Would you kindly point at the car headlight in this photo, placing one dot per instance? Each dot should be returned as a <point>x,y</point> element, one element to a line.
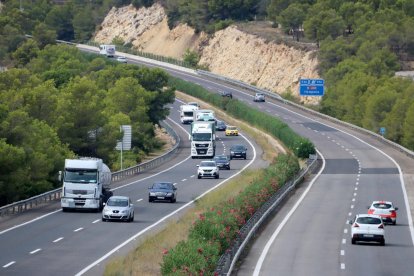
<point>152,194</point>
<point>124,211</point>
<point>169,194</point>
<point>232,152</point>
<point>243,152</point>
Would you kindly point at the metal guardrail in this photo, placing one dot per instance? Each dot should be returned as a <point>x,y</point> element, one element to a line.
<point>27,204</point>
<point>277,97</point>
<point>247,232</point>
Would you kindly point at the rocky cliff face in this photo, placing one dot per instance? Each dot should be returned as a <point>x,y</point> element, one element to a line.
<point>229,52</point>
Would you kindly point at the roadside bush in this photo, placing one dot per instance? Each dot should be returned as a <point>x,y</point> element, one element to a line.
<point>215,229</point>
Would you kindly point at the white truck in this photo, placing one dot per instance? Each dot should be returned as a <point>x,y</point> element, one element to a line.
<point>204,115</point>
<point>187,113</point>
<point>203,139</point>
<point>108,50</point>
<point>86,184</point>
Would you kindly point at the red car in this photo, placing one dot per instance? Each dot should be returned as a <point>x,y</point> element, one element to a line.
<point>384,209</point>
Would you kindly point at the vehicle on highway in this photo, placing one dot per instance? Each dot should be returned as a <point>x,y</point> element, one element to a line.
<point>367,228</point>
<point>220,125</point>
<point>232,131</point>
<point>238,151</point>
<point>227,94</point>
<point>121,59</point>
<point>259,97</point>
<point>118,208</point>
<point>208,169</point>
<point>194,103</point>
<point>222,161</point>
<point>162,191</point>
<point>385,209</point>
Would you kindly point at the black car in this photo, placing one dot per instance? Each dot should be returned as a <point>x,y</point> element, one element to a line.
<point>162,191</point>
<point>238,151</point>
<point>227,94</point>
<point>222,161</point>
<point>220,125</point>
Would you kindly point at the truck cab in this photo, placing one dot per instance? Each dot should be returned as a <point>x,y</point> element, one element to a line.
<point>203,139</point>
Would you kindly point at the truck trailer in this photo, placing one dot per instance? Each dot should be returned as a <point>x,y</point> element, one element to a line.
<point>108,50</point>
<point>187,113</point>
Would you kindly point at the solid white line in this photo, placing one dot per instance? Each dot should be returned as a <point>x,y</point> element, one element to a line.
<point>342,266</point>
<point>139,200</point>
<point>35,251</point>
<point>58,239</point>
<point>77,230</point>
<point>285,220</point>
<point>96,221</point>
<point>9,264</point>
<point>170,214</point>
<point>342,252</point>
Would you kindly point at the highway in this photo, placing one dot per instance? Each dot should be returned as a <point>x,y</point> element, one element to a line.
<point>79,242</point>
<point>313,238</point>
<point>309,236</point>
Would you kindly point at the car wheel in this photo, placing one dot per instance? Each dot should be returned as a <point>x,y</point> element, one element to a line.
<point>353,241</point>
<point>245,158</point>
<point>382,243</point>
<point>150,200</point>
<point>103,219</point>
<point>64,209</point>
<point>217,176</point>
<point>132,218</point>
<point>394,223</point>
<point>199,177</point>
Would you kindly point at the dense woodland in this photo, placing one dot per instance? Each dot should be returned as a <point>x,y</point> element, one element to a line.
<point>57,102</point>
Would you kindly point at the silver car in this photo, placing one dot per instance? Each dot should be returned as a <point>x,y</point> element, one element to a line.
<point>118,208</point>
<point>259,97</point>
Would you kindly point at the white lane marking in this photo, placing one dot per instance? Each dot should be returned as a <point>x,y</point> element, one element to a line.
<point>79,229</point>
<point>139,200</point>
<point>185,179</point>
<point>342,252</point>
<point>96,221</point>
<point>343,241</point>
<point>349,214</point>
<point>345,231</point>
<point>174,212</point>
<point>58,239</point>
<point>355,194</point>
<point>35,251</point>
<point>9,264</point>
<point>352,206</point>
<point>353,199</point>
<point>193,175</point>
<point>342,266</point>
<point>357,183</point>
<point>356,188</point>
<point>285,220</point>
<point>175,183</point>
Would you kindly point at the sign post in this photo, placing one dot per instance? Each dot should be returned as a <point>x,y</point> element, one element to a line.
<point>125,143</point>
<point>312,87</point>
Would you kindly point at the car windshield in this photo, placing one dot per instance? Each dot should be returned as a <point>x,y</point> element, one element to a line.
<point>119,202</point>
<point>207,164</point>
<point>238,148</point>
<point>218,158</point>
<point>231,128</point>
<point>368,220</point>
<point>162,186</point>
<point>259,95</point>
<point>382,205</point>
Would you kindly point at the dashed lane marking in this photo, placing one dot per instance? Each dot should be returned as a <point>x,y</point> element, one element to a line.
<point>35,251</point>
<point>77,230</point>
<point>9,264</point>
<point>58,239</point>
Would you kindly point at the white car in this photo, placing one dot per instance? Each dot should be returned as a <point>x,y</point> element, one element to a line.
<point>385,209</point>
<point>194,104</point>
<point>121,59</point>
<point>208,169</point>
<point>259,97</point>
<point>367,228</point>
<point>118,208</point>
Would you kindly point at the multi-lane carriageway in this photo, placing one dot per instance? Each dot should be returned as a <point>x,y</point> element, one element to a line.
<point>310,236</point>
<point>79,242</point>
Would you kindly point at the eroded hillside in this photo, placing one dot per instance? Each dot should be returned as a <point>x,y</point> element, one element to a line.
<point>230,52</point>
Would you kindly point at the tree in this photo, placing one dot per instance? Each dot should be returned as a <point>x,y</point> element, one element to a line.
<point>191,57</point>
<point>83,24</point>
<point>292,18</point>
<point>323,24</point>
<point>43,35</point>
<point>408,138</point>
<point>60,19</point>
<point>26,52</point>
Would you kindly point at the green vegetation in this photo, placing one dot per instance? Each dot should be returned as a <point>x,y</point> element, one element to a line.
<point>218,225</point>
<point>302,147</point>
<point>61,103</point>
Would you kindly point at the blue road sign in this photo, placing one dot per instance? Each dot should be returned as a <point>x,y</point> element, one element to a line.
<point>312,87</point>
<point>382,131</point>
